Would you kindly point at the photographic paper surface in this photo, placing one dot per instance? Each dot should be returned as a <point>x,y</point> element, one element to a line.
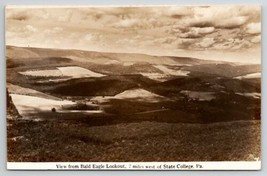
<point>133,87</point>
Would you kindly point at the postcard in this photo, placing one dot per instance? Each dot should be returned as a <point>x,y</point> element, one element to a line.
<point>133,87</point>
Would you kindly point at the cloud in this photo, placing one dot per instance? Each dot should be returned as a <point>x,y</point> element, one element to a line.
<point>31,28</point>
<point>127,23</point>
<point>256,39</point>
<point>232,22</point>
<point>232,44</point>
<point>253,28</point>
<point>172,42</point>
<point>204,30</point>
<point>244,44</point>
<point>66,17</point>
<point>175,11</point>
<point>93,37</point>
<point>206,42</point>
<point>220,17</point>
<point>57,29</point>
<point>18,14</point>
<point>184,27</point>
<point>54,30</point>
<point>251,11</point>
<point>183,43</point>
<point>192,32</point>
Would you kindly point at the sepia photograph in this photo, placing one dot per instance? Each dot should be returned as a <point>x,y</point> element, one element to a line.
<point>133,84</point>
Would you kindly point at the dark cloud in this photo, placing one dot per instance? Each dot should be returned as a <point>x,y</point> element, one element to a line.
<point>20,16</point>
<point>201,23</point>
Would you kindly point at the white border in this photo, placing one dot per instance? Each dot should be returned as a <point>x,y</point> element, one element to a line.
<point>222,165</point>
<point>3,150</point>
<point>137,5</point>
<point>232,165</point>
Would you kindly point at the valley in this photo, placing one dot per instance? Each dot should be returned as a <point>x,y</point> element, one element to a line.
<point>116,106</point>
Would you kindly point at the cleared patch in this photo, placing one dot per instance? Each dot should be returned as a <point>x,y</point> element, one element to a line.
<point>166,75</point>
<point>173,72</point>
<point>43,73</point>
<point>27,105</point>
<point>140,95</point>
<point>15,89</point>
<point>78,72</point>
<point>201,96</point>
<point>111,62</point>
<point>156,76</point>
<point>253,94</point>
<point>128,63</point>
<point>248,76</point>
<point>54,80</point>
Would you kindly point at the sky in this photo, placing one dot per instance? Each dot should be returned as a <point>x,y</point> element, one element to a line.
<point>225,32</point>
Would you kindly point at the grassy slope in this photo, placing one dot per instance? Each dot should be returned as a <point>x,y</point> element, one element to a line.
<point>144,141</point>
